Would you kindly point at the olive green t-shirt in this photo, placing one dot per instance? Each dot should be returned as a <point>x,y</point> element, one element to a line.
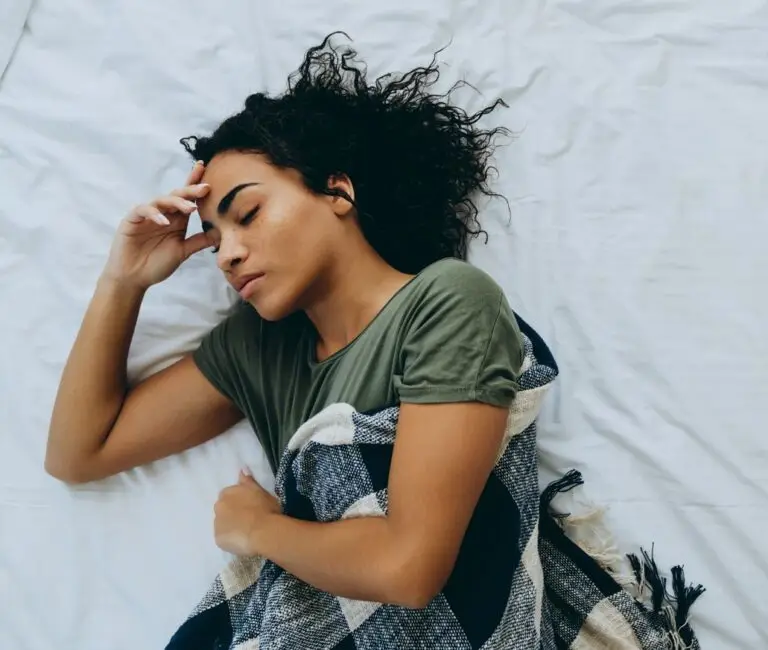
<point>448,335</point>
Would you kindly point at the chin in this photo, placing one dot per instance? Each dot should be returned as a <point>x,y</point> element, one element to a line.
<point>270,310</point>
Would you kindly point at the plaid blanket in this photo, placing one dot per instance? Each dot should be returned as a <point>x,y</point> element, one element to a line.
<point>519,582</point>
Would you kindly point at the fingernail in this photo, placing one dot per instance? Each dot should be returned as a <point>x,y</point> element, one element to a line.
<point>164,220</point>
<point>199,162</point>
<point>246,472</point>
<point>191,204</point>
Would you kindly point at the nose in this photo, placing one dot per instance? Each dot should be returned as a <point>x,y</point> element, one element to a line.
<point>231,253</point>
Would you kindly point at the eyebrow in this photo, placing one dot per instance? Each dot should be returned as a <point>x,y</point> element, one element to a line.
<point>229,197</point>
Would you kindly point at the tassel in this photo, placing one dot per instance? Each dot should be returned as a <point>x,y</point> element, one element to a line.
<point>648,577</point>
<point>637,569</point>
<point>685,596</point>
<point>673,609</point>
<point>656,581</point>
<point>571,480</point>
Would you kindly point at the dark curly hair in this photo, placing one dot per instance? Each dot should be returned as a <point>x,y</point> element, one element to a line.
<point>414,160</point>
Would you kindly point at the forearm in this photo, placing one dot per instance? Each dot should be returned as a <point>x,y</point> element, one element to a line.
<point>361,558</point>
<point>93,383</point>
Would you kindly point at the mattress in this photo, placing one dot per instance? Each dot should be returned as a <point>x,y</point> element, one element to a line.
<point>634,242</point>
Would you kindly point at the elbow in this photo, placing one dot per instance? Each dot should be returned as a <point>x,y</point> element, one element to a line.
<point>416,593</point>
<point>416,583</point>
<point>63,474</point>
<point>416,597</point>
<point>66,472</point>
<point>69,463</point>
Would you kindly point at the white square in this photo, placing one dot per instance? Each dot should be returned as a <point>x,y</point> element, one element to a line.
<point>357,612</point>
<point>368,506</point>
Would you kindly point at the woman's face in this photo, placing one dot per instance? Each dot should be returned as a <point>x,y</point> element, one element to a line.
<point>275,238</point>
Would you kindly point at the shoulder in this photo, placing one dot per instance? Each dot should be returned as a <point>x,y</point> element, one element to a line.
<point>456,281</point>
<point>453,295</point>
<point>221,345</point>
<point>238,344</point>
<point>461,340</point>
<point>457,275</point>
<point>460,301</point>
<point>242,323</point>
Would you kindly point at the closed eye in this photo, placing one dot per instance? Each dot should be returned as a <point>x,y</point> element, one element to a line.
<point>249,216</point>
<point>246,219</point>
<point>207,227</point>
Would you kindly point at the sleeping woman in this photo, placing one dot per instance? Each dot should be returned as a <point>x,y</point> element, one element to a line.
<point>340,212</point>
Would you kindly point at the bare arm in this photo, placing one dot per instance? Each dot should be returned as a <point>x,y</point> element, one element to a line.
<point>442,458</point>
<point>99,427</point>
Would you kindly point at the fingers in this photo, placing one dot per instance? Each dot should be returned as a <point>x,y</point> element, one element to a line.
<point>193,188</point>
<point>196,173</point>
<point>195,244</point>
<point>192,192</point>
<point>148,213</point>
<point>181,201</point>
<point>160,209</point>
<point>246,478</point>
<point>174,203</point>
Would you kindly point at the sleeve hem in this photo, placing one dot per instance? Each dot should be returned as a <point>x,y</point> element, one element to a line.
<point>444,395</point>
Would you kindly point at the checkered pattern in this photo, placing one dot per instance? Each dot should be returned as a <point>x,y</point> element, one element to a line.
<point>518,582</point>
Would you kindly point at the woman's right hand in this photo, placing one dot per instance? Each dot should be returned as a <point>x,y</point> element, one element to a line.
<point>151,242</point>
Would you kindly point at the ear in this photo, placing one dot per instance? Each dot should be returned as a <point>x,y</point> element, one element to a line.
<point>340,205</point>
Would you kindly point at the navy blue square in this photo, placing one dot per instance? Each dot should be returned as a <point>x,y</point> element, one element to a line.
<point>296,504</point>
<point>377,459</point>
<point>209,629</point>
<point>479,587</point>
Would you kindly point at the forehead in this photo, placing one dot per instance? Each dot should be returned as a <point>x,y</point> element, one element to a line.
<point>228,170</point>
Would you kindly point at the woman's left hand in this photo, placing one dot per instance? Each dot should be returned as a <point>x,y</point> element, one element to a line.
<point>241,513</point>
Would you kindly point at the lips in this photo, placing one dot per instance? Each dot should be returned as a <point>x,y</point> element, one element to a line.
<point>239,283</point>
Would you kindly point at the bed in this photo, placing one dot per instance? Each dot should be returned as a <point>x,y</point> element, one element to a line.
<point>637,183</point>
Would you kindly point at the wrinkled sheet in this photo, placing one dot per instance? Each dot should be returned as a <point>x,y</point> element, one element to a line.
<point>635,245</point>
<point>13,15</point>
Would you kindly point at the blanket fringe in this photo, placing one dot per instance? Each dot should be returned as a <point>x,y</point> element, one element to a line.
<point>674,609</point>
<point>571,480</point>
<point>645,583</point>
<point>587,530</point>
<point>685,596</point>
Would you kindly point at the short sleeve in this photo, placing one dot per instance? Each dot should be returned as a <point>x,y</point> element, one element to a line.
<point>218,354</point>
<point>463,344</point>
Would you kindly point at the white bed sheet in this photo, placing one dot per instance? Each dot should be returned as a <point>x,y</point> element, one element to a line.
<point>13,16</point>
<point>639,192</point>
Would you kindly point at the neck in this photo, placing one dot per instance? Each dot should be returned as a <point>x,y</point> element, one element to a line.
<point>353,293</point>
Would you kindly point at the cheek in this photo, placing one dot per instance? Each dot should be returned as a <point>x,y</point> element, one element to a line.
<point>304,232</point>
